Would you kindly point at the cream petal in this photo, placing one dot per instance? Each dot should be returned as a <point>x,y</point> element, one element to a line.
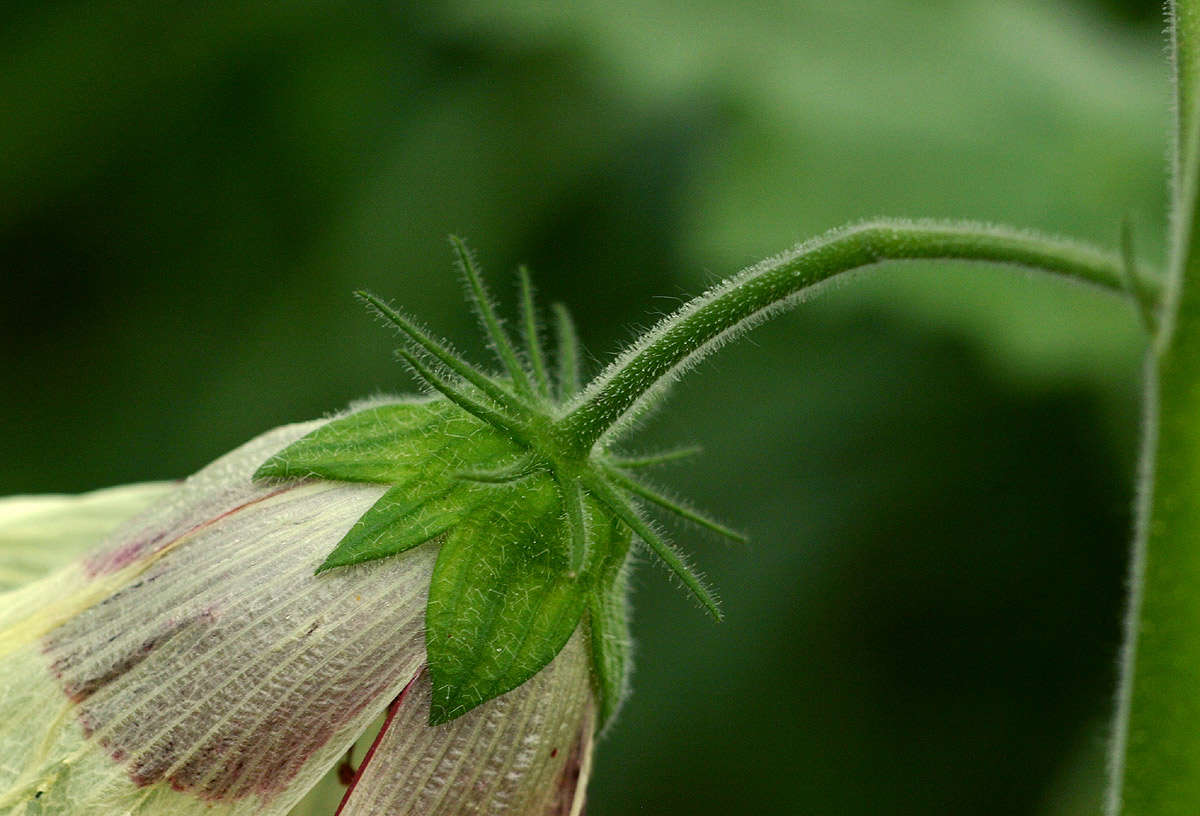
<point>217,674</point>
<point>222,487</point>
<point>34,609</point>
<point>39,534</point>
<point>525,753</point>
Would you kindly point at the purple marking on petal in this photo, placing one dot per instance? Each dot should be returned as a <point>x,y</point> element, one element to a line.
<point>114,560</point>
<point>228,664</point>
<point>572,772</point>
<point>225,484</point>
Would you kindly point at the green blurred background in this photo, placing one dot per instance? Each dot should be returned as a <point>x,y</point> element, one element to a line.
<point>935,463</point>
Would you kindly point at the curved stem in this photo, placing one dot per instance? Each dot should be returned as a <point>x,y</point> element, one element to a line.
<point>758,292</point>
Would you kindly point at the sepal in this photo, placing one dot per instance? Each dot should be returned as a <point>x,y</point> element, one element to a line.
<point>420,448</point>
<point>608,622</point>
<point>398,442</point>
<point>501,603</point>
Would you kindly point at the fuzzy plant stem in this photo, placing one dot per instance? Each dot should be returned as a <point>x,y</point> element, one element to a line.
<point>741,302</point>
<point>1155,758</point>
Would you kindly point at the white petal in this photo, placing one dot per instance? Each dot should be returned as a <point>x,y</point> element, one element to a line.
<point>221,487</point>
<point>39,534</point>
<point>198,666</point>
<point>525,753</point>
<point>34,609</point>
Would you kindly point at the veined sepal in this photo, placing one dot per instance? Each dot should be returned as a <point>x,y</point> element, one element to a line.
<point>531,537</point>
<point>504,597</point>
<point>608,627</point>
<point>418,447</point>
<point>503,601</point>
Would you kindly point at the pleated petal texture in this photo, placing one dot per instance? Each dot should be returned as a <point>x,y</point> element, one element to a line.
<point>196,664</point>
<point>524,753</point>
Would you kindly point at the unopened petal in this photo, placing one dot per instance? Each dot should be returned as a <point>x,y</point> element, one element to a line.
<point>34,609</point>
<point>525,753</point>
<point>201,500</point>
<point>218,674</point>
<point>39,534</point>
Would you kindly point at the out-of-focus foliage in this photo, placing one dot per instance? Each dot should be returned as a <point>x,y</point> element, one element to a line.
<point>934,463</point>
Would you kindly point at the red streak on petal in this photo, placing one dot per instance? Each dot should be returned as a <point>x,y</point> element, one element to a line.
<point>391,715</point>
<point>126,554</point>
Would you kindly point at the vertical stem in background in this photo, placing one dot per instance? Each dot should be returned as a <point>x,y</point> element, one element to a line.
<point>1156,748</point>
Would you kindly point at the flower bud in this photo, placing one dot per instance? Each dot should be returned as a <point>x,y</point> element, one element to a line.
<point>195,663</point>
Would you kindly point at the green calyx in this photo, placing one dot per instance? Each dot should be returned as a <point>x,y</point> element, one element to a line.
<point>514,476</point>
<point>534,533</point>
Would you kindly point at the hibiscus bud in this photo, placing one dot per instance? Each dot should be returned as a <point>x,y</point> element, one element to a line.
<point>457,560</point>
<point>195,663</point>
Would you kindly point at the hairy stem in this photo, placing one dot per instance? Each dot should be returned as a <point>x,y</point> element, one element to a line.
<point>1155,758</point>
<point>760,291</point>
